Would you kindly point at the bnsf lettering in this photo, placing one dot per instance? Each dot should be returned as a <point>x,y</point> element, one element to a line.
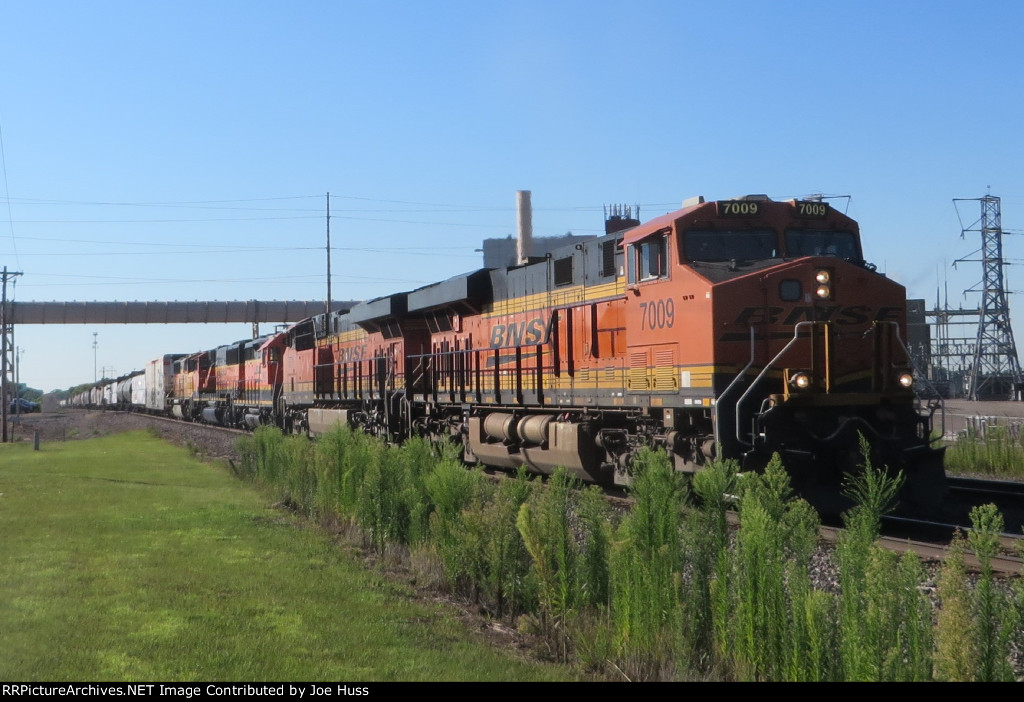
<point>349,355</point>
<point>852,314</point>
<point>857,314</point>
<point>759,315</point>
<point>518,333</point>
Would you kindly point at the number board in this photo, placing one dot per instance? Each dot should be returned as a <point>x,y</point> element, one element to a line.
<point>738,208</point>
<point>816,210</point>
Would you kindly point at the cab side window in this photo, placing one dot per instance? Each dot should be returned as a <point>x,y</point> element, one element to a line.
<point>648,260</point>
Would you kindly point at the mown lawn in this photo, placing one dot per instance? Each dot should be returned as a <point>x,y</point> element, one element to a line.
<point>123,558</point>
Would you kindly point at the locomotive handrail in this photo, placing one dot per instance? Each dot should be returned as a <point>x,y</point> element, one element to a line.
<point>796,335</point>
<point>768,366</point>
<point>451,354</point>
<point>736,380</point>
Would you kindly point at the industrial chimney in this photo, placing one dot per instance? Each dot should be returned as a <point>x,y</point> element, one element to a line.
<point>524,240</point>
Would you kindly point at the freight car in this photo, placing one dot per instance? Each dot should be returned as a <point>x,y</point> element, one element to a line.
<point>737,328</point>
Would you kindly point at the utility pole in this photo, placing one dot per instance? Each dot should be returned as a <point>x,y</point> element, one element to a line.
<point>94,345</point>
<point>17,378</point>
<point>6,348</point>
<point>328,253</point>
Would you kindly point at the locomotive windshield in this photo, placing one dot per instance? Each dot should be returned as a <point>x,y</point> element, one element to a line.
<point>813,242</point>
<point>729,245</point>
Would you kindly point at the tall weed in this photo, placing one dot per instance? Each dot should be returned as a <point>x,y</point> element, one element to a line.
<point>999,451</point>
<point>706,542</point>
<point>595,524</point>
<point>452,489</point>
<point>543,523</point>
<point>384,508</point>
<point>419,460</point>
<point>884,633</point>
<point>995,616</point>
<point>956,651</point>
<point>760,613</point>
<point>259,454</point>
<point>647,568</point>
<point>775,622</point>
<point>297,476</point>
<point>487,554</point>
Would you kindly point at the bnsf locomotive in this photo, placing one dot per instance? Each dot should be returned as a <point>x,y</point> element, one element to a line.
<point>738,328</point>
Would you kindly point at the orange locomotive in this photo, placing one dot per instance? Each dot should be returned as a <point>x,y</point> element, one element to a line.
<point>235,385</point>
<point>351,367</point>
<point>736,328</point>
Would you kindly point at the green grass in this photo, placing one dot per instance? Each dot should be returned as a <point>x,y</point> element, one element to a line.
<point>126,559</point>
<point>999,453</point>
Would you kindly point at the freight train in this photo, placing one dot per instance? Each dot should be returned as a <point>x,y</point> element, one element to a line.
<point>736,328</point>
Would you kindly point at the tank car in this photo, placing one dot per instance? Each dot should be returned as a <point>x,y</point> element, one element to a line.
<point>125,386</point>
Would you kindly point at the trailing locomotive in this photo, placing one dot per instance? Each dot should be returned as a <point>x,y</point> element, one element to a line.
<point>738,329</point>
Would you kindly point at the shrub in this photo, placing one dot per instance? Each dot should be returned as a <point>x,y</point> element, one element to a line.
<point>993,613</point>
<point>383,509</point>
<point>452,489</point>
<point>647,567</point>
<point>543,523</point>
<point>775,622</point>
<point>884,633</point>
<point>706,541</point>
<point>956,654</point>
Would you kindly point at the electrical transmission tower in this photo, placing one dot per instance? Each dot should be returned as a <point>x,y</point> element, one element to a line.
<point>995,372</point>
<point>6,349</point>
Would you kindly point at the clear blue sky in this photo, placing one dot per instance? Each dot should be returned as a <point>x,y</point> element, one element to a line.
<point>182,150</point>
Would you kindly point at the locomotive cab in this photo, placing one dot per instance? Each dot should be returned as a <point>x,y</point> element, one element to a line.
<point>803,355</point>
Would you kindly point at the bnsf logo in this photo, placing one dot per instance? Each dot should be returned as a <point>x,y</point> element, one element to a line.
<point>532,332</point>
<point>851,314</point>
<point>350,354</point>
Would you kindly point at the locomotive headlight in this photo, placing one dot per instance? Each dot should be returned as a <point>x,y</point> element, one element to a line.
<point>906,380</point>
<point>824,280</point>
<point>800,381</point>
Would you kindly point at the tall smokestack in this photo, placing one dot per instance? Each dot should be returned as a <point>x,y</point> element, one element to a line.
<point>524,241</point>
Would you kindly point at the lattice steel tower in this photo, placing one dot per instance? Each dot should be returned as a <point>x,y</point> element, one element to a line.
<point>6,351</point>
<point>995,373</point>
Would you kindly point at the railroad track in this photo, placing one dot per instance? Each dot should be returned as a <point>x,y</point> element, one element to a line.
<point>965,494</point>
<point>997,491</point>
<point>201,425</point>
<point>931,541</point>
